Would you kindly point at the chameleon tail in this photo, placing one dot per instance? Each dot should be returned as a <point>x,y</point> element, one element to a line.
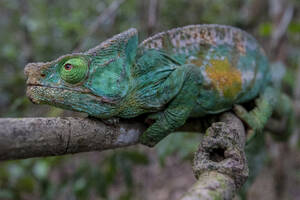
<point>266,103</point>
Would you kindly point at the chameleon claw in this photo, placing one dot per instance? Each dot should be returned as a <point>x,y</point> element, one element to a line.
<point>246,117</point>
<point>250,135</point>
<point>111,121</point>
<point>147,141</point>
<point>240,110</point>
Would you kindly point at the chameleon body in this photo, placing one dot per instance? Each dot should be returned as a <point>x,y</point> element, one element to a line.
<point>184,72</point>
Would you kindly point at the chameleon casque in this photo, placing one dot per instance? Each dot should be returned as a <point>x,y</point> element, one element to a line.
<point>185,72</point>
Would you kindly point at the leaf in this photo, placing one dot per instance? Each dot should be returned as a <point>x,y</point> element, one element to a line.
<point>265,29</point>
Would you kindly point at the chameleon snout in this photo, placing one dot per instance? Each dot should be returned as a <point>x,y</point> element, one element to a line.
<point>34,73</point>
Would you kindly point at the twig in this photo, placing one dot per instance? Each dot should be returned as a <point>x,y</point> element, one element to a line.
<point>152,16</point>
<point>281,14</point>
<point>27,50</point>
<point>282,26</point>
<point>100,20</point>
<point>113,7</point>
<point>296,91</point>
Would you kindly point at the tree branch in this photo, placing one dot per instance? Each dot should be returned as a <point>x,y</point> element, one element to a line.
<point>220,163</point>
<point>35,137</point>
<point>211,185</point>
<point>219,173</point>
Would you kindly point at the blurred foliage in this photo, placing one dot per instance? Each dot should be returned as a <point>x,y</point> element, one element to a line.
<point>183,144</point>
<point>43,30</point>
<point>51,178</point>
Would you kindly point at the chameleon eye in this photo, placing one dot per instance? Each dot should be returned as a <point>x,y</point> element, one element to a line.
<point>68,67</point>
<point>74,70</point>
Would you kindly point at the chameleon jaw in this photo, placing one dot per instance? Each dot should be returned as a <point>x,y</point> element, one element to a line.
<point>72,100</point>
<point>59,97</point>
<point>40,94</point>
<point>30,94</point>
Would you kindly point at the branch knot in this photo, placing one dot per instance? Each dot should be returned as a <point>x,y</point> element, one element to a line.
<point>221,150</point>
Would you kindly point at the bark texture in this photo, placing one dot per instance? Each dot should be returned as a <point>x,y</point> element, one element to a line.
<point>220,163</point>
<point>35,137</point>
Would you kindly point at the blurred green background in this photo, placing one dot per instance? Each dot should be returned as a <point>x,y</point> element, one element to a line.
<point>36,30</point>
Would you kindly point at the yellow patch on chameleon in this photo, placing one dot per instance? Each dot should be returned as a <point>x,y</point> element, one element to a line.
<point>225,78</point>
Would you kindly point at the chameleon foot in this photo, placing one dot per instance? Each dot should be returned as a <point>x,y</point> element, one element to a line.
<point>257,118</point>
<point>249,119</point>
<point>111,121</point>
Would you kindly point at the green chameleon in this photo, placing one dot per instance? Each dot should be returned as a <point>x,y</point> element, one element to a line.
<point>185,72</point>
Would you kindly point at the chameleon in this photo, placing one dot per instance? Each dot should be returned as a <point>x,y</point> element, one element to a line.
<point>186,72</point>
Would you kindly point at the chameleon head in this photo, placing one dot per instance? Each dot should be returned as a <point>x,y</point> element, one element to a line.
<point>94,82</point>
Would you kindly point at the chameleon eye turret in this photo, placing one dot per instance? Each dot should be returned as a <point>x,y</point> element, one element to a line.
<point>74,70</point>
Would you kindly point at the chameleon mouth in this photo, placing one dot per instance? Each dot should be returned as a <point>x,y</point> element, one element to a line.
<point>30,94</point>
<point>43,94</point>
<point>70,100</point>
<point>39,94</point>
<point>81,90</point>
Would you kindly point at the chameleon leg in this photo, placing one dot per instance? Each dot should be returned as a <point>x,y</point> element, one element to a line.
<point>166,122</point>
<point>173,116</point>
<point>257,118</point>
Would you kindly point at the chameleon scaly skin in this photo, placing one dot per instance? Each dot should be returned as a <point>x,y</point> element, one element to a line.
<point>184,72</point>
